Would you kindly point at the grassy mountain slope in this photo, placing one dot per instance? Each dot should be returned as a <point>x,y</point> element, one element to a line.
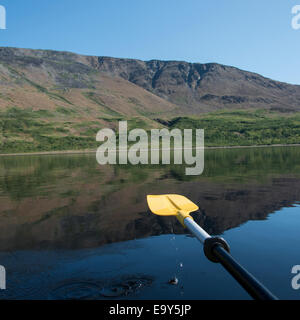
<point>54,102</point>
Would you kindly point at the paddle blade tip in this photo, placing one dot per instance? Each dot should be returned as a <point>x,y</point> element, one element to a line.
<point>170,204</point>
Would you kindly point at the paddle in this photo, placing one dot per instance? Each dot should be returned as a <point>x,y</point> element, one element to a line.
<point>216,249</point>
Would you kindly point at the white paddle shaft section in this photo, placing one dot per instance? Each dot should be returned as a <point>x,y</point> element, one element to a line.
<point>196,230</point>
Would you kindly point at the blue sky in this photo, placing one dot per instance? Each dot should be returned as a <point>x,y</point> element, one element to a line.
<point>255,35</point>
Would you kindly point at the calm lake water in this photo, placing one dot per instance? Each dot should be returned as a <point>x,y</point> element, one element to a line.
<point>70,228</point>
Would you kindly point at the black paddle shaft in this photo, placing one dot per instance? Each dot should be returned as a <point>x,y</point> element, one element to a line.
<point>256,290</point>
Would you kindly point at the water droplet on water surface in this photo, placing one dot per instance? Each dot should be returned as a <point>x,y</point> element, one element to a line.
<point>173,281</point>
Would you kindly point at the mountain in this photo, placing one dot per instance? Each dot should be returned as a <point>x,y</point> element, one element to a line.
<point>52,100</point>
<point>192,87</point>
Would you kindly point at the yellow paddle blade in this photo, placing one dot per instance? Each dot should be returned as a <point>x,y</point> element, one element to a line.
<point>171,205</point>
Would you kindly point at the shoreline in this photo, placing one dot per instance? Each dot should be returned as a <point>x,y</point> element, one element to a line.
<point>64,152</point>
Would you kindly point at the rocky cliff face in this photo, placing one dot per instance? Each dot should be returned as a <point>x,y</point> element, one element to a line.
<point>204,87</point>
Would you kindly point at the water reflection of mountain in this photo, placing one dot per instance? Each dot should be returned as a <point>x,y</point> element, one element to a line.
<point>69,202</point>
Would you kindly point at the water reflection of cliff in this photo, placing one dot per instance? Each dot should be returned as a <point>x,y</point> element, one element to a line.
<point>71,202</point>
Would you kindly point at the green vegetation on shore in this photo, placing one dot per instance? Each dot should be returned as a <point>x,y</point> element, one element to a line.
<point>35,131</point>
<point>244,128</point>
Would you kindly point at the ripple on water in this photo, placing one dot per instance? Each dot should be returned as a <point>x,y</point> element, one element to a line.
<point>87,290</point>
<point>75,289</point>
<point>125,287</point>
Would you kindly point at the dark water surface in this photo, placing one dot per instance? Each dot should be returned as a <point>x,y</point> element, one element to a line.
<point>70,228</point>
